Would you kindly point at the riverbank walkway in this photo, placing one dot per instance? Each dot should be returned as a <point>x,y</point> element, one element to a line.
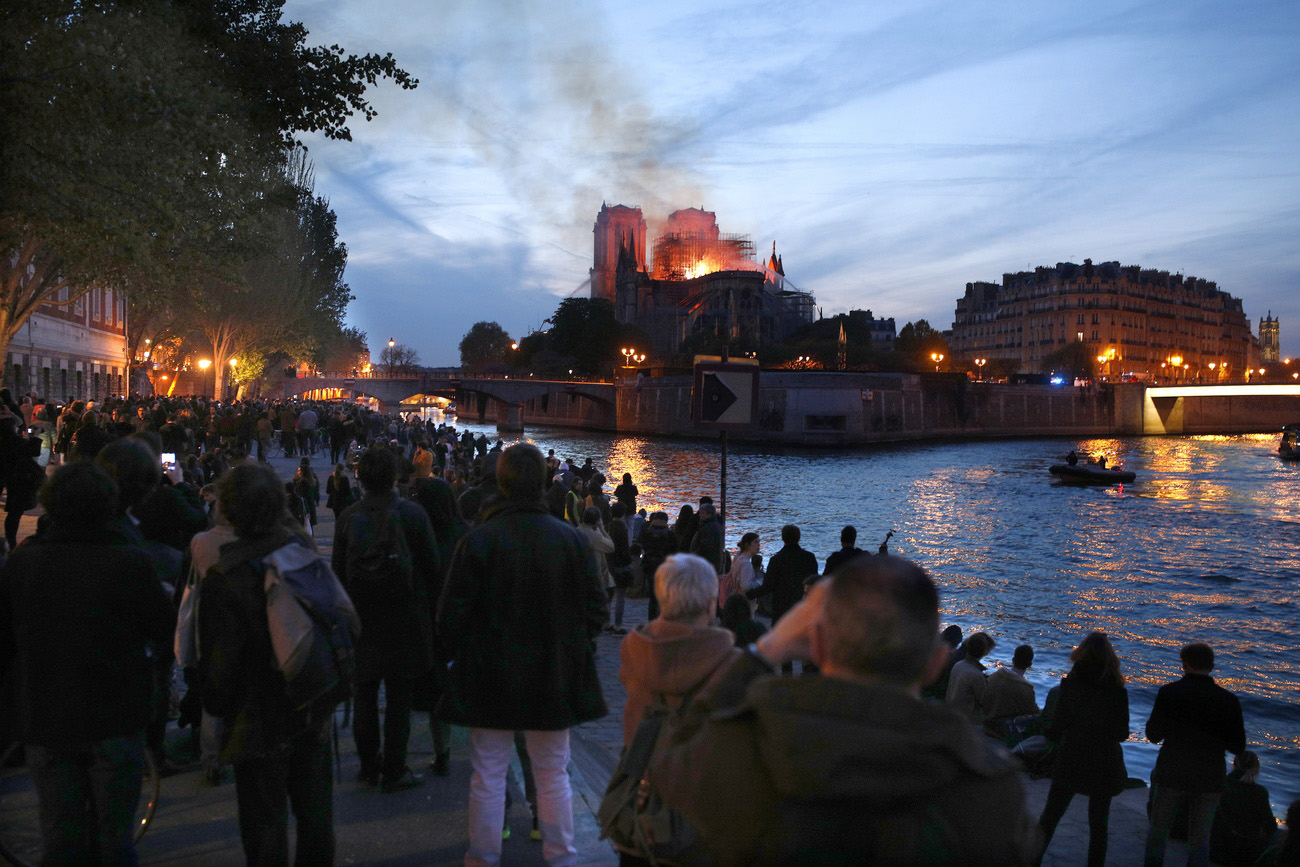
<point>196,823</point>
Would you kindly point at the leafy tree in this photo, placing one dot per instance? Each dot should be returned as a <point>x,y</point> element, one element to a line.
<point>288,293</point>
<point>344,350</point>
<point>585,331</point>
<point>914,345</point>
<point>135,136</point>
<point>485,344</point>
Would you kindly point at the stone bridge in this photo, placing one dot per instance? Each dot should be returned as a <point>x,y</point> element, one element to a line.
<point>809,399</point>
<point>473,395</point>
<point>1215,409</point>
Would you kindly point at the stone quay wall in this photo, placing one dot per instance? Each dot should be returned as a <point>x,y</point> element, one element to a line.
<point>839,409</point>
<point>848,409</point>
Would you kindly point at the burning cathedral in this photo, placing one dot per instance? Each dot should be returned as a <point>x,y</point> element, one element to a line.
<point>702,282</point>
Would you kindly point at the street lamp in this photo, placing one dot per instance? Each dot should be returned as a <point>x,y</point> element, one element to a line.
<point>391,344</point>
<point>204,364</point>
<point>979,364</point>
<point>631,357</point>
<point>936,357</point>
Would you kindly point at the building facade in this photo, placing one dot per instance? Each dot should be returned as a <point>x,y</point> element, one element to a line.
<point>1137,322</point>
<point>1270,339</point>
<point>702,282</point>
<point>71,350</point>
<point>881,331</point>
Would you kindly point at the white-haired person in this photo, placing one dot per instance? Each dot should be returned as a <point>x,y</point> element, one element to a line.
<point>680,651</point>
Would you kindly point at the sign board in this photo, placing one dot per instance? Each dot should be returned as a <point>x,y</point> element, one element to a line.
<point>725,395</point>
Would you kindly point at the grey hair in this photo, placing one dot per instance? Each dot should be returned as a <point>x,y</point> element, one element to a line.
<point>686,586</point>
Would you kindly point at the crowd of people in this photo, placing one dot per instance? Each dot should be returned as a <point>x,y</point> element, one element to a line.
<point>480,577</point>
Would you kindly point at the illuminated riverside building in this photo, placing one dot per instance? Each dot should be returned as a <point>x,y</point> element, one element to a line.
<point>1135,321</point>
<point>73,350</point>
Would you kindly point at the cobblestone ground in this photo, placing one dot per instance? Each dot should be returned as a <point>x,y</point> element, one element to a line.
<point>196,823</point>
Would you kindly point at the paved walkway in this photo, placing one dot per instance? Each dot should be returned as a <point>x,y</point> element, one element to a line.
<point>196,823</point>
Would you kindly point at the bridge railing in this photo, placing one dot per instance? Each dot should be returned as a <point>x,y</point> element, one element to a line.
<point>443,373</point>
<point>359,374</point>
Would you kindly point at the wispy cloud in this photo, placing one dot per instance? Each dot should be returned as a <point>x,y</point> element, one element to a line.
<point>895,150</point>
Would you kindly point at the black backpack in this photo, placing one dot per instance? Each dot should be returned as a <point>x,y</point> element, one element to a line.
<point>379,566</point>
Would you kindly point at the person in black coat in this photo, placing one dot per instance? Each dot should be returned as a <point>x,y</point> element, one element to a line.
<point>1195,721</point>
<point>519,613</point>
<point>338,491</point>
<point>396,646</point>
<point>708,539</point>
<point>786,571</point>
<point>81,617</point>
<point>439,503</point>
<point>1090,723</point>
<point>658,542</point>
<point>20,474</point>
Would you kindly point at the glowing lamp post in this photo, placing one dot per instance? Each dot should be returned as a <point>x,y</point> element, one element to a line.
<point>204,364</point>
<point>979,365</point>
<point>631,357</point>
<point>936,357</point>
<point>391,344</point>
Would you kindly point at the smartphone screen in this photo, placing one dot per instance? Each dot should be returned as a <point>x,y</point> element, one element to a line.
<point>168,458</point>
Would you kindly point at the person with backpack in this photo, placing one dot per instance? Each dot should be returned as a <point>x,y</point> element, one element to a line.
<point>663,664</point>
<point>386,555</point>
<point>281,755</point>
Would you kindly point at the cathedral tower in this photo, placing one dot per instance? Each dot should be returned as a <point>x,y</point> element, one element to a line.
<point>618,229</point>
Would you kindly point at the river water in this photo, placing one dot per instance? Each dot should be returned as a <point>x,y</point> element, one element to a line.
<point>1203,546</point>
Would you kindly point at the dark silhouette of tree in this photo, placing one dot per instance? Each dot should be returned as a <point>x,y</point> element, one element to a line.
<point>484,346</point>
<point>138,138</point>
<point>398,360</point>
<point>915,343</point>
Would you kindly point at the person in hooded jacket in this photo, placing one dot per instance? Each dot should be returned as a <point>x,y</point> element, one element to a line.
<point>679,651</point>
<point>849,766</point>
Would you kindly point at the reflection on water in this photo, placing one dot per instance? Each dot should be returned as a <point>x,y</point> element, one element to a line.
<point>1204,545</point>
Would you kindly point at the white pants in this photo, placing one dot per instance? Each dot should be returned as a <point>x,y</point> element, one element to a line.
<point>489,753</point>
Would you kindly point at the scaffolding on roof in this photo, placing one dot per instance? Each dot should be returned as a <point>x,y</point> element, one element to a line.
<point>686,255</point>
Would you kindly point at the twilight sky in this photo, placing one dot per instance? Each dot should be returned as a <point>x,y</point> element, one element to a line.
<point>893,150</point>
